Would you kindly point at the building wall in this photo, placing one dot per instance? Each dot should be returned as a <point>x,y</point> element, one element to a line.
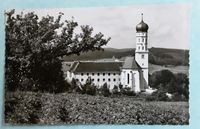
<point>142,53</point>
<point>98,78</point>
<point>130,78</point>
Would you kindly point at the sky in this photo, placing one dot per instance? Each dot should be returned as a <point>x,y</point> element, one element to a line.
<point>168,23</point>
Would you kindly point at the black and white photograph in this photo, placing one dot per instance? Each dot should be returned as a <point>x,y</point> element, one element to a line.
<point>97,65</point>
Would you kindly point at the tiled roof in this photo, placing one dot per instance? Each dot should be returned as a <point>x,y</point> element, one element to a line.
<point>130,63</point>
<point>96,66</point>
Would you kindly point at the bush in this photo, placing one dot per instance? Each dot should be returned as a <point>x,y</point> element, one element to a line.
<point>105,90</point>
<point>88,87</point>
<point>178,97</point>
<point>127,91</point>
<point>115,90</point>
<point>91,89</point>
<point>23,108</point>
<point>159,95</point>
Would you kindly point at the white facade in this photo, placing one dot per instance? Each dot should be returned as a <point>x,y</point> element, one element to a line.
<point>142,53</point>
<point>98,78</point>
<point>130,78</point>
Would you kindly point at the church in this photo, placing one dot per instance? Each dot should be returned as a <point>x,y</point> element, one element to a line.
<point>132,72</point>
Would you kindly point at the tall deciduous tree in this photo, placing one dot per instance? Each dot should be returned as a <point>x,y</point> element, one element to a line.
<point>35,47</point>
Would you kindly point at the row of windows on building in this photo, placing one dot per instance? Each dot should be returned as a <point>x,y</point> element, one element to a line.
<point>98,79</point>
<point>98,74</point>
<point>142,39</point>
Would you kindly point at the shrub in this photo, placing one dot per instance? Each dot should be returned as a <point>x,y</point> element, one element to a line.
<point>178,97</point>
<point>128,91</point>
<point>23,108</point>
<point>88,87</point>
<point>115,90</point>
<point>105,90</point>
<point>91,89</point>
<point>151,98</point>
<point>159,95</point>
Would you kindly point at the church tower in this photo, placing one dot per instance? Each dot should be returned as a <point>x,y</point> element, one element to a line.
<point>141,52</point>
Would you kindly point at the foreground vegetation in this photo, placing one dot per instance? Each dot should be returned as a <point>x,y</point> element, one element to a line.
<point>72,108</point>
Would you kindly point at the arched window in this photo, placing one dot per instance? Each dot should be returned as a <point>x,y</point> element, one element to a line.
<point>142,39</point>
<point>128,77</point>
<point>142,47</point>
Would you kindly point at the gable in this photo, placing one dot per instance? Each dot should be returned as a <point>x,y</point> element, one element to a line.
<point>130,63</point>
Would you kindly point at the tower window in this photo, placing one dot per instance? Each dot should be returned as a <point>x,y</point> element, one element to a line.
<point>142,47</point>
<point>142,56</point>
<point>128,78</point>
<point>142,39</point>
<point>139,48</point>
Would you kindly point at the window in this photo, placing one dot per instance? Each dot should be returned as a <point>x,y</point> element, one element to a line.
<point>92,79</point>
<point>138,39</point>
<point>103,79</point>
<point>109,79</point>
<point>93,74</point>
<point>142,56</point>
<point>114,74</point>
<point>82,74</point>
<point>128,78</point>
<point>142,39</point>
<point>88,74</point>
<point>82,79</point>
<point>142,47</point>
<point>138,47</point>
<point>108,74</point>
<point>98,79</point>
<point>114,80</point>
<point>103,74</point>
<point>98,74</point>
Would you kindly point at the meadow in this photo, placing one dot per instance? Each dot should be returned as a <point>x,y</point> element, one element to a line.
<point>72,108</point>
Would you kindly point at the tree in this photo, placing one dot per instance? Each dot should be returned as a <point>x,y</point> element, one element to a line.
<point>34,49</point>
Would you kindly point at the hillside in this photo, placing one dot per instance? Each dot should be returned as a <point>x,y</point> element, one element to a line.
<point>158,56</point>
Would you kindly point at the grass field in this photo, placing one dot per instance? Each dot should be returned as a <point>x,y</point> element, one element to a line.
<point>70,108</point>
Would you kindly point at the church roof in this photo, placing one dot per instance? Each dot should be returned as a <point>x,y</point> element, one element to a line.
<point>130,63</point>
<point>142,26</point>
<point>96,66</point>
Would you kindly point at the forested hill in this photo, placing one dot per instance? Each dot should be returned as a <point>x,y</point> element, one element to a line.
<point>159,56</point>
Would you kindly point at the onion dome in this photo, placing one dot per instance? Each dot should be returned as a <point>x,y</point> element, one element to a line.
<point>142,26</point>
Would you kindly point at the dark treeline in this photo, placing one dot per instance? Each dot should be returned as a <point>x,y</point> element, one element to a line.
<point>158,56</point>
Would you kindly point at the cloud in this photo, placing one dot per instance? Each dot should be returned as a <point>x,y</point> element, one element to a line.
<point>168,23</point>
